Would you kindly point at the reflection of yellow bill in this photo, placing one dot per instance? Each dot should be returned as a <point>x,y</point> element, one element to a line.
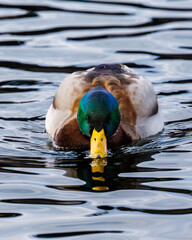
<point>99,179</point>
<point>100,188</point>
<point>97,165</point>
<point>98,144</point>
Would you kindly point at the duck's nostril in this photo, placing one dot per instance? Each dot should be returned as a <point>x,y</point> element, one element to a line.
<point>115,68</point>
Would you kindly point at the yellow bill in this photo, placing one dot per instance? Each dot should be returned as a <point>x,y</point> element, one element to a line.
<point>98,144</point>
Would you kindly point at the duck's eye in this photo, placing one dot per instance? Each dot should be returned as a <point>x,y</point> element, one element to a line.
<point>101,139</point>
<point>95,139</point>
<point>88,118</point>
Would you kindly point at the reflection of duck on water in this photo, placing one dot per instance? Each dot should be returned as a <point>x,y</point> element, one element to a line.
<point>103,174</point>
<point>109,104</point>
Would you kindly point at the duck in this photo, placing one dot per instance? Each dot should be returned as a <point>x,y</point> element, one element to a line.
<point>103,107</point>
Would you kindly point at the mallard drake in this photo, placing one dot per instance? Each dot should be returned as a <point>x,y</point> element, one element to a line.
<point>108,105</point>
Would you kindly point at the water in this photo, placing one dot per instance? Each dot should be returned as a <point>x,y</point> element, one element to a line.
<point>143,190</point>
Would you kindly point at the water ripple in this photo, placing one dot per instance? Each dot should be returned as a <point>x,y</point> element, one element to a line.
<point>126,35</point>
<point>139,5</point>
<point>8,215</point>
<point>42,201</point>
<point>37,8</point>
<point>70,234</point>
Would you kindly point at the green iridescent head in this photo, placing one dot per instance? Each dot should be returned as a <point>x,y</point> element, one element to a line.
<point>98,109</point>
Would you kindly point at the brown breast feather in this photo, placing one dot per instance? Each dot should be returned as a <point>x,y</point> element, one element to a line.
<point>70,136</point>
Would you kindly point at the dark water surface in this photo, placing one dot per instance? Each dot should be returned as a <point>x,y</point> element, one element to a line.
<point>143,190</point>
